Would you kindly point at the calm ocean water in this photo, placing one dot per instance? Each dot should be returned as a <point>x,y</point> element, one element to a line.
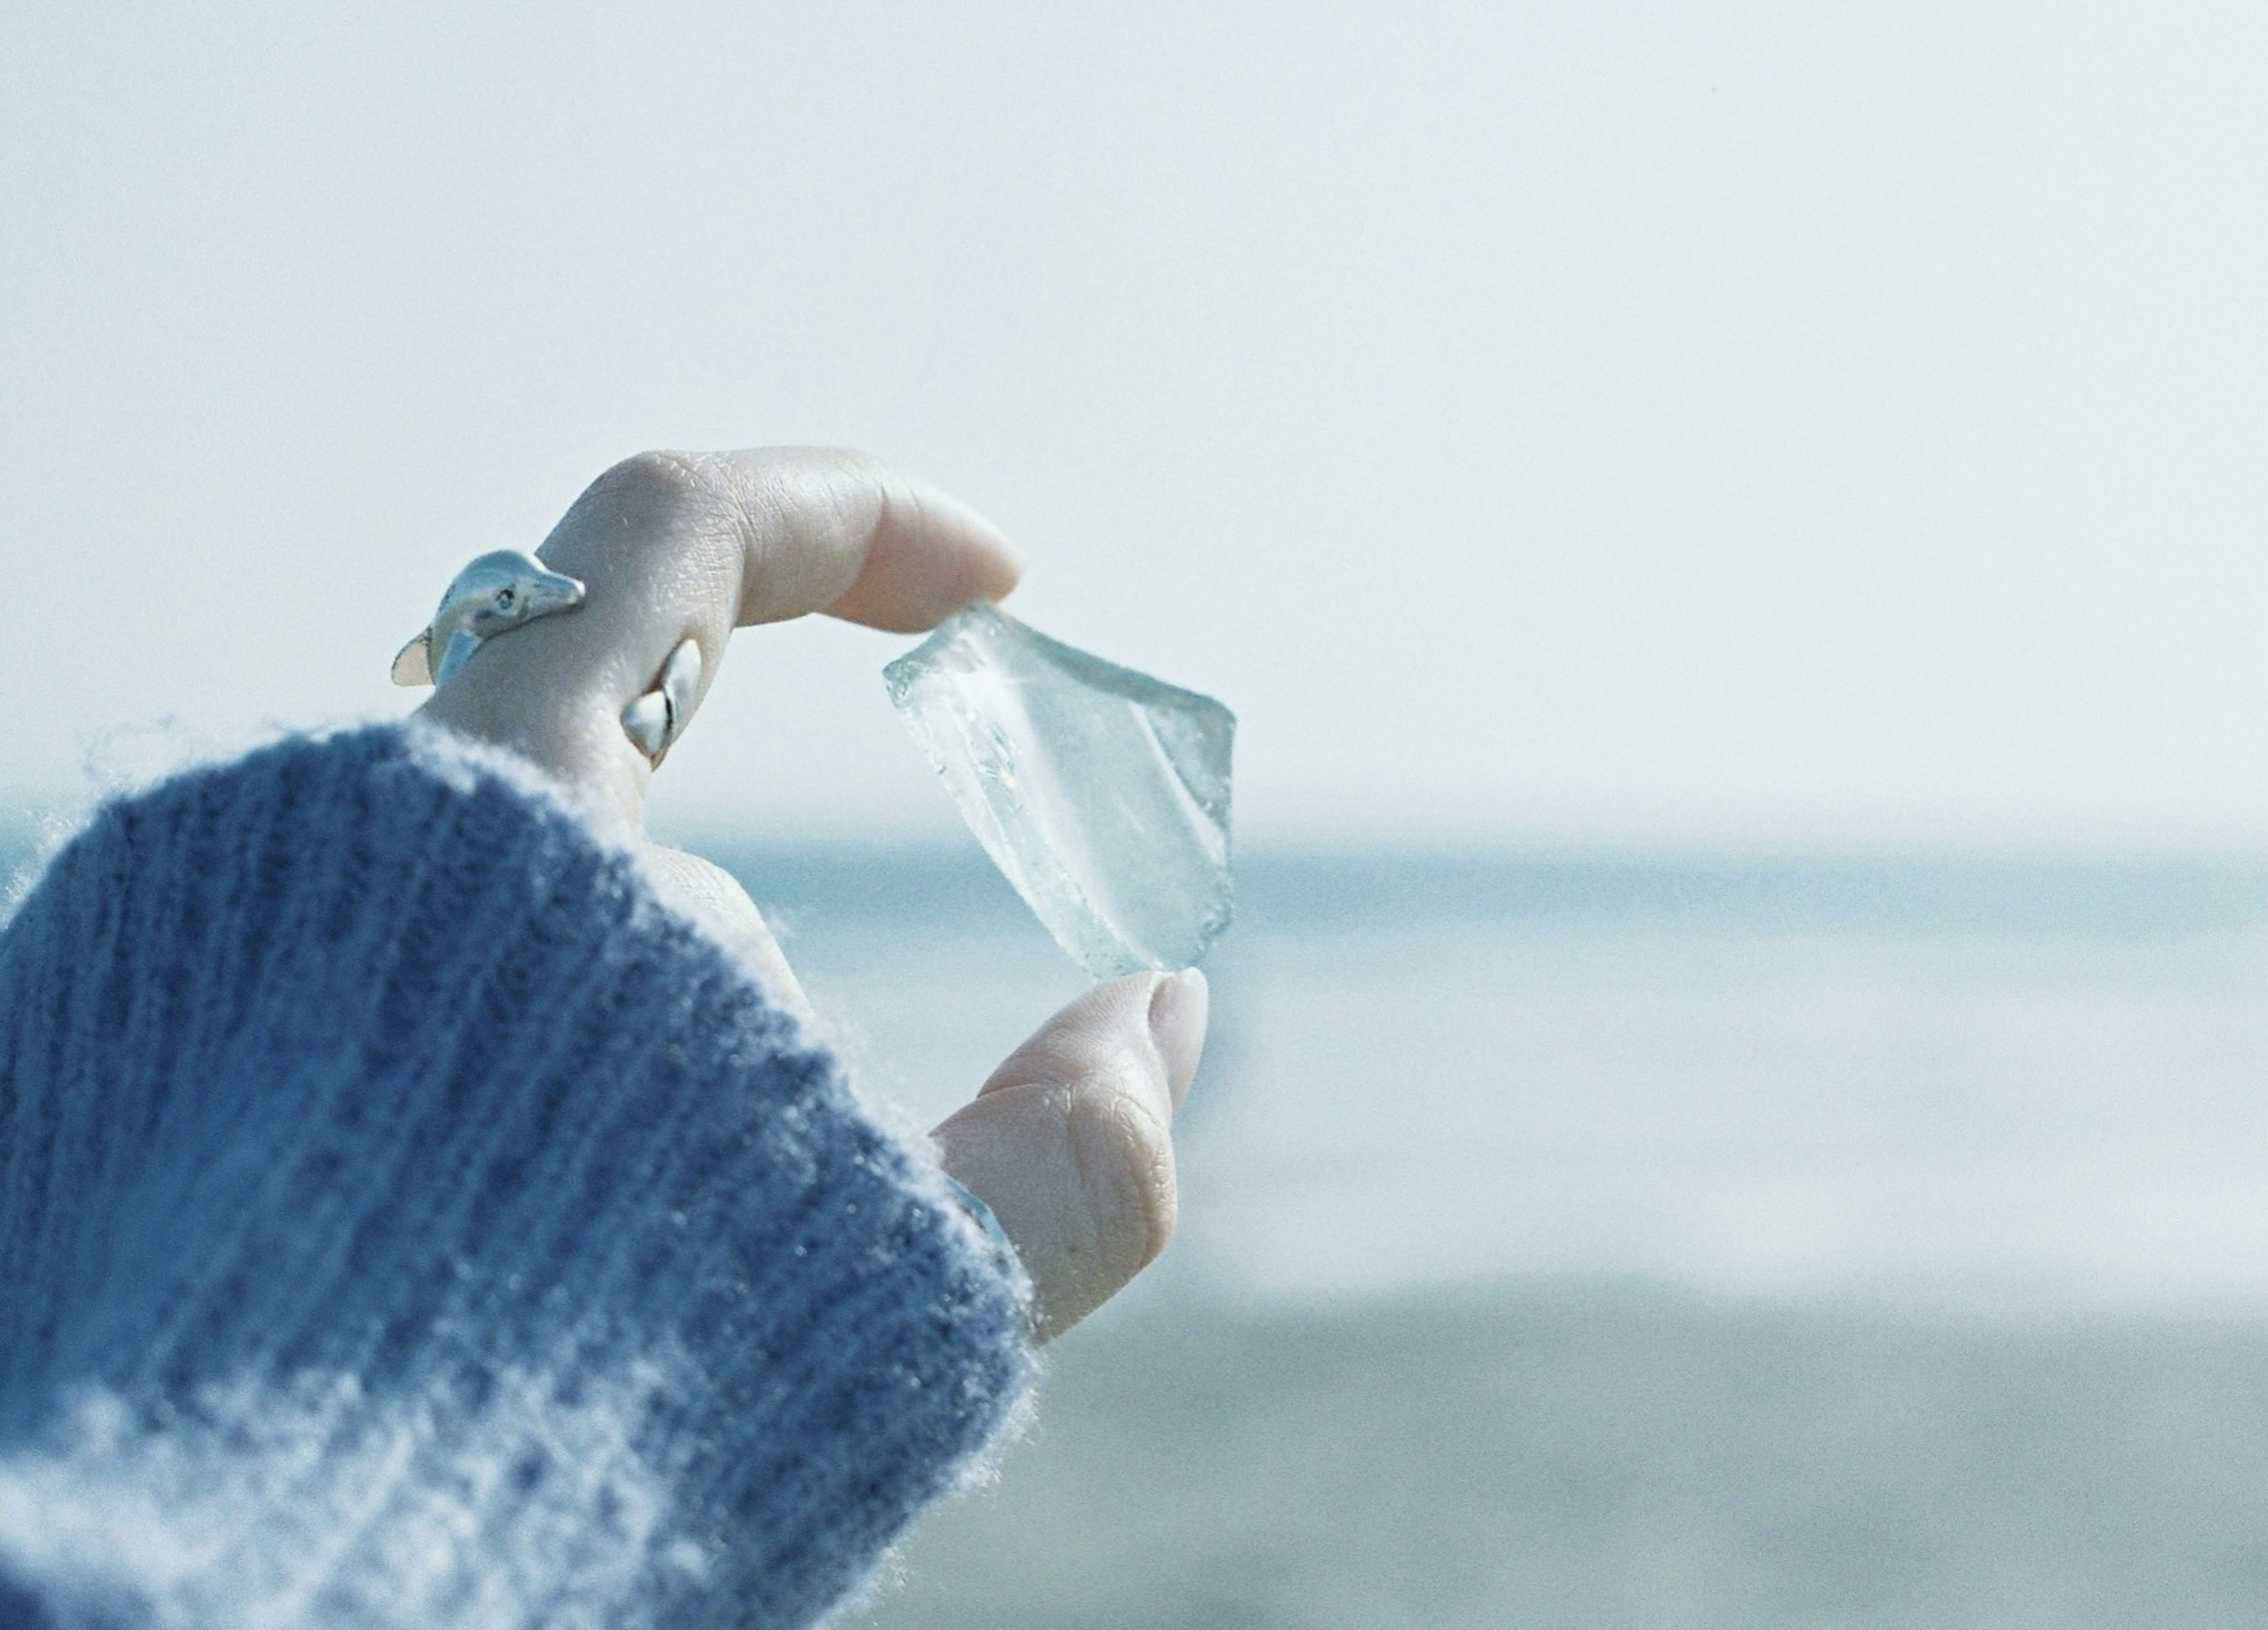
<point>1951,1083</point>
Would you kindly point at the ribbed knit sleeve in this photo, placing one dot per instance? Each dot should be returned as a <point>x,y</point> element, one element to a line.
<point>406,1220</point>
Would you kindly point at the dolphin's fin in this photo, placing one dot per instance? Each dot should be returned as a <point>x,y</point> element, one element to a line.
<point>413,665</point>
<point>454,655</point>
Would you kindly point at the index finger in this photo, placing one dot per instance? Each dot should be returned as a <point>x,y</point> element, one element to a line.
<point>677,546</point>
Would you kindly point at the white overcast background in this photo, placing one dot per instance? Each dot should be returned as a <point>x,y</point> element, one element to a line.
<point>1563,422</point>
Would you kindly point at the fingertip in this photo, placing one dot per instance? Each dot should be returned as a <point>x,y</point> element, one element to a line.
<point>1003,561</point>
<point>931,555</point>
<point>1149,1028</point>
<point>1005,572</point>
<point>1179,1009</point>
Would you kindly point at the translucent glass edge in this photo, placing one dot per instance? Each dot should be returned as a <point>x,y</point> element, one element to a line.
<point>934,738</point>
<point>982,617</point>
<point>980,621</point>
<point>1108,675</point>
<point>1081,932</point>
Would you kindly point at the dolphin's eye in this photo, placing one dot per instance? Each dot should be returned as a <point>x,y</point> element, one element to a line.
<point>504,598</point>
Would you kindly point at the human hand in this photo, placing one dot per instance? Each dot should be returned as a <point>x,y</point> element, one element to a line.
<point>1070,1140</point>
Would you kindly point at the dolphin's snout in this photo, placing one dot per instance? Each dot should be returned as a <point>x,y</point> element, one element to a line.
<point>551,591</point>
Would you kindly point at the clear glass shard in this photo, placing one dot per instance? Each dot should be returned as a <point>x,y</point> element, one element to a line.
<point>1099,793</point>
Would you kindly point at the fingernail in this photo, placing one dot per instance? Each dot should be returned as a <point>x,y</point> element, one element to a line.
<point>1178,1007</point>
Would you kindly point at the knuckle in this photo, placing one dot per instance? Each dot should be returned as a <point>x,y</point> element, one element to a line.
<point>656,481</point>
<point>654,494</point>
<point>658,470</point>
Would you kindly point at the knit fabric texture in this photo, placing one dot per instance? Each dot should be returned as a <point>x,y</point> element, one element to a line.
<point>407,1219</point>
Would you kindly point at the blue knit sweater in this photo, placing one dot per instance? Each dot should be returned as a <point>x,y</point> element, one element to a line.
<point>407,1220</point>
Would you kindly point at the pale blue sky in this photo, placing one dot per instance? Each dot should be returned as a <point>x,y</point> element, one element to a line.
<point>1595,422</point>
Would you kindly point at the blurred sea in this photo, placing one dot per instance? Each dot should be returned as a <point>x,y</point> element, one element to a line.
<point>1594,1242</point>
<point>1925,1085</point>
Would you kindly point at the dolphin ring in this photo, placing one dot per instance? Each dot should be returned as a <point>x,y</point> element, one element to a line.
<point>504,590</point>
<point>494,595</point>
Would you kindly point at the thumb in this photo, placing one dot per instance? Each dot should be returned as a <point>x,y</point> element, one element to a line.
<point>1070,1142</point>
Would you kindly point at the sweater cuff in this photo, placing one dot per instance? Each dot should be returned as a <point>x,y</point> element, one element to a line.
<point>409,1219</point>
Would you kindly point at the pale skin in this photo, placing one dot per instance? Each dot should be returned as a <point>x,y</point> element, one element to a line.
<point>1070,1140</point>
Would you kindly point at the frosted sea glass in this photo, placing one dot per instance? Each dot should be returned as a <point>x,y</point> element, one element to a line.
<point>1099,793</point>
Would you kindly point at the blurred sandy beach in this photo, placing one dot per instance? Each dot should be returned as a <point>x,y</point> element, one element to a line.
<point>1617,1462</point>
